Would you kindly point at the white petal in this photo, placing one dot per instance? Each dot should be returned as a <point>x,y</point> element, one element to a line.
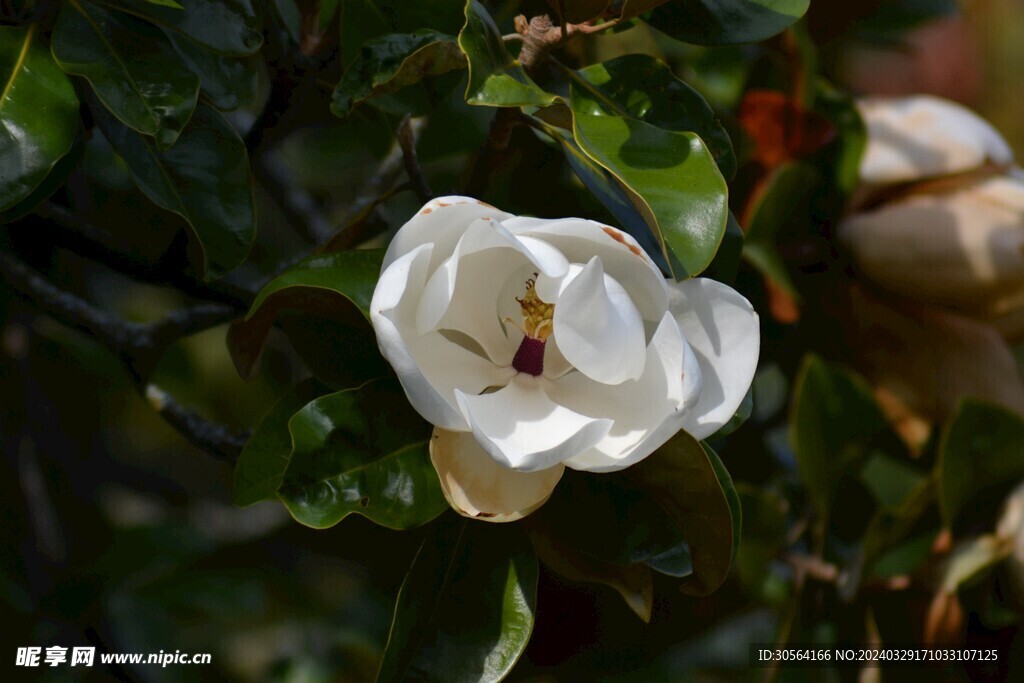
<point>477,486</point>
<point>921,136</point>
<point>440,222</point>
<point>723,330</point>
<point>520,427</point>
<point>620,254</point>
<point>639,408</point>
<point>462,294</point>
<point>429,366</point>
<point>598,328</point>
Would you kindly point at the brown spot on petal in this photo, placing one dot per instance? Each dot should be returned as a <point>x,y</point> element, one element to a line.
<point>621,239</point>
<point>426,210</point>
<point>486,515</point>
<point>442,204</point>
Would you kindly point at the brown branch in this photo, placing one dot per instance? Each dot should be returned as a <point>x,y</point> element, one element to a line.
<point>407,135</point>
<point>138,346</point>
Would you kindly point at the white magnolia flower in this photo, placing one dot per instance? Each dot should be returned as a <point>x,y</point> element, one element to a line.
<point>534,345</point>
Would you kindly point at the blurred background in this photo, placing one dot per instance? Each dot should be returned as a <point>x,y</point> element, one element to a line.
<point>117,533</point>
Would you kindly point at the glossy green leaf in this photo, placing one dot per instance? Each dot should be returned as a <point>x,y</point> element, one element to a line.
<point>632,581</point>
<point>466,609</point>
<point>131,66</point>
<point>40,113</point>
<point>724,22</point>
<point>496,79</point>
<point>228,82</point>
<point>364,451</point>
<point>231,27</point>
<point>335,285</point>
<point>643,87</point>
<point>260,468</point>
<point>981,456</point>
<point>390,62</point>
<point>833,420</point>
<point>364,20</point>
<point>204,178</point>
<point>696,494</point>
<point>673,180</point>
<point>608,517</point>
<point>53,181</point>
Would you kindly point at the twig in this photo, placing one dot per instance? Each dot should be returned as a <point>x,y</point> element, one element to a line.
<point>138,346</point>
<point>298,208</point>
<point>407,135</point>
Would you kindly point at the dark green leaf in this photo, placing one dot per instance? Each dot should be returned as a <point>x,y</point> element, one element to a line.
<point>495,78</point>
<point>644,88</point>
<point>466,609</point>
<point>261,467</point>
<point>672,178</point>
<point>981,455</point>
<point>632,581</point>
<point>764,534</point>
<point>724,22</point>
<point>905,558</point>
<point>132,67</point>
<point>204,178</point>
<point>741,415</point>
<point>333,285</point>
<point>53,181</point>
<point>365,451</point>
<point>229,82</point>
<point>363,20</point>
<point>838,107</point>
<point>696,494</point>
<point>889,480</point>
<point>894,17</point>
<point>579,11</point>
<point>833,420</point>
<point>229,26</point>
<point>390,62</point>
<point>40,113</point>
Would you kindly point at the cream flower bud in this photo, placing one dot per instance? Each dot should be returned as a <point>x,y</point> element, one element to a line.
<point>534,345</point>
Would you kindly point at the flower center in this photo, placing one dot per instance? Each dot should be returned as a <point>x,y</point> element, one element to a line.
<point>537,328</point>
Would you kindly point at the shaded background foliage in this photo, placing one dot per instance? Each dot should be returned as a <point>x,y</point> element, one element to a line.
<point>287,128</point>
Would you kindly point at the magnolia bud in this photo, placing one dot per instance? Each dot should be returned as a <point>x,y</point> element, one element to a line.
<point>963,249</point>
<point>914,138</point>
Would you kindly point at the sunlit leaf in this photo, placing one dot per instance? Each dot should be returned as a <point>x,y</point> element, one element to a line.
<point>40,112</point>
<point>496,79</point>
<point>132,67</point>
<point>204,178</point>
<point>466,609</point>
<point>337,285</point>
<point>390,62</point>
<point>364,451</point>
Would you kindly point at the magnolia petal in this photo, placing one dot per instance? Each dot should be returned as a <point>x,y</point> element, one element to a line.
<point>598,328</point>
<point>520,427</point>
<point>441,222</point>
<point>429,366</point>
<point>479,487</point>
<point>923,136</point>
<point>723,330</point>
<point>639,407</point>
<point>620,254</point>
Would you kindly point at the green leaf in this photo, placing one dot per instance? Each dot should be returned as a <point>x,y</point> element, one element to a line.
<point>465,611</point>
<point>672,178</point>
<point>334,285</point>
<point>833,420</point>
<point>642,87</point>
<point>495,78</point>
<point>889,480</point>
<point>131,66</point>
<point>53,181</point>
<point>229,82</point>
<point>724,22</point>
<point>696,494</point>
<point>632,581</point>
<point>204,178</point>
<point>905,558</point>
<point>260,468</point>
<point>390,62</point>
<point>764,534</point>
<point>981,456</point>
<point>893,18</point>
<point>231,27</point>
<point>609,518</point>
<point>165,3</point>
<point>741,415</point>
<point>40,113</point>
<point>579,11</point>
<point>364,451</point>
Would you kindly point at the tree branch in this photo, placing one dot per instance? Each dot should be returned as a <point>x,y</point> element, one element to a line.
<point>138,346</point>
<point>407,134</point>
